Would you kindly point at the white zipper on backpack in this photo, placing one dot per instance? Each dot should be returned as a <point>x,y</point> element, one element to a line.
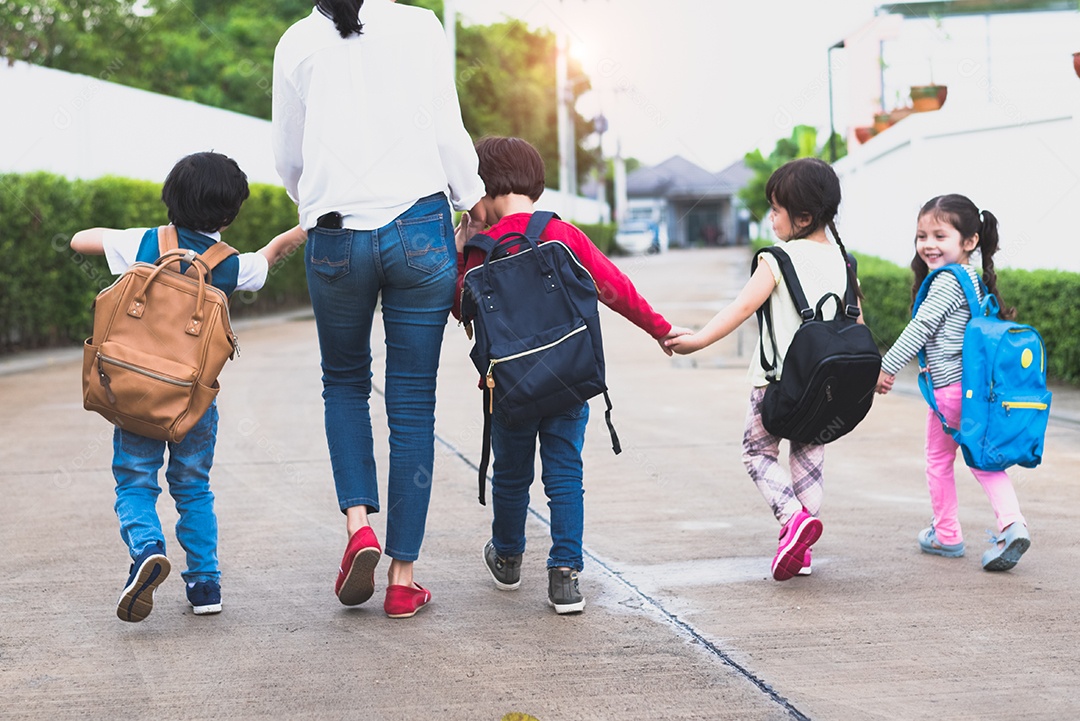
<point>489,380</point>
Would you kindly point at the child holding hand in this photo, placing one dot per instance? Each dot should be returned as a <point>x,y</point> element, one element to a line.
<point>804,196</point>
<point>950,228</point>
<point>203,194</point>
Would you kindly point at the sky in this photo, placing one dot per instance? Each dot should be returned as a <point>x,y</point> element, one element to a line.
<point>705,79</point>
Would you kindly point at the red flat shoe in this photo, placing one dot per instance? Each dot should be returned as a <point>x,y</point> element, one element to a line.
<point>356,576</point>
<point>405,601</point>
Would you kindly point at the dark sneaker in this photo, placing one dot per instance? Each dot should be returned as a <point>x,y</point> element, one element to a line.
<point>149,569</point>
<point>563,592</point>
<point>506,572</point>
<point>204,597</point>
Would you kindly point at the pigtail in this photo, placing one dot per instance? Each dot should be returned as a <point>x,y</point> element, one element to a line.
<point>988,245</point>
<point>852,278</point>
<point>921,270</point>
<point>344,13</point>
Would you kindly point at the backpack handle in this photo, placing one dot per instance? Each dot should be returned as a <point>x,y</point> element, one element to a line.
<point>179,255</point>
<point>169,239</point>
<point>489,247</point>
<point>824,299</point>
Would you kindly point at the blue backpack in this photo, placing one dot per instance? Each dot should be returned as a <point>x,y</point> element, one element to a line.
<point>1005,404</point>
<point>533,308</point>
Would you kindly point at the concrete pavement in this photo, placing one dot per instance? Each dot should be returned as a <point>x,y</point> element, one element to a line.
<point>683,620</point>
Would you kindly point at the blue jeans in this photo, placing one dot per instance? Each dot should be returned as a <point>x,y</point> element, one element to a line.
<point>136,461</point>
<point>409,262</point>
<point>514,447</point>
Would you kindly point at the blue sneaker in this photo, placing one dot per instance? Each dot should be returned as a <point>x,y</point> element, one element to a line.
<point>204,597</point>
<point>149,569</point>
<point>929,543</point>
<point>1009,545</point>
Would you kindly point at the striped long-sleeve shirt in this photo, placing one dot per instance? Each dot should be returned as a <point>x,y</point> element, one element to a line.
<point>938,326</point>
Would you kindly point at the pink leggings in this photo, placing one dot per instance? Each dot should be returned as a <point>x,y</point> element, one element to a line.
<point>940,479</point>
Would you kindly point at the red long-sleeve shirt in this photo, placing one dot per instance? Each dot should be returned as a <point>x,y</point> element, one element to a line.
<point>614,288</point>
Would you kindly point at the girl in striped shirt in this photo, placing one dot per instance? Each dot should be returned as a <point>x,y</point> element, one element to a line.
<point>950,229</point>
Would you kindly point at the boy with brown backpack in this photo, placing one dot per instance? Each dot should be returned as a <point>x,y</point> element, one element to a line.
<point>203,194</point>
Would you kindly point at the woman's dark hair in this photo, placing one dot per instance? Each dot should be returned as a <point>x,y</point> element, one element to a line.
<point>808,187</point>
<point>204,192</point>
<point>510,165</point>
<point>962,214</point>
<point>344,13</point>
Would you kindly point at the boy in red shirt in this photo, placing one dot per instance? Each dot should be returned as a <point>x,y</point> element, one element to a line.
<point>513,175</point>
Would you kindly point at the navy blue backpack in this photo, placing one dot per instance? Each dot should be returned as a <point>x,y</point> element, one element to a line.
<point>1005,403</point>
<point>532,307</point>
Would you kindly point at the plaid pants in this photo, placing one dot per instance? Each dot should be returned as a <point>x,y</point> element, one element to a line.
<point>785,492</point>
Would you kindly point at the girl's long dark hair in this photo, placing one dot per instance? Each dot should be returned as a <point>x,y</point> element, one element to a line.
<point>808,186</point>
<point>344,13</point>
<point>962,214</point>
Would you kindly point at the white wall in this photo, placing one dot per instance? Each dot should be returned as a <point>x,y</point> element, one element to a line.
<point>1021,163</point>
<point>86,127</point>
<point>574,208</point>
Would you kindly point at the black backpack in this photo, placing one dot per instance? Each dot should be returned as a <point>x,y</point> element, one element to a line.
<point>534,314</point>
<point>830,370</point>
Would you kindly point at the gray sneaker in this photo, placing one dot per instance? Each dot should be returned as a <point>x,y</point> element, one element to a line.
<point>506,572</point>
<point>563,592</point>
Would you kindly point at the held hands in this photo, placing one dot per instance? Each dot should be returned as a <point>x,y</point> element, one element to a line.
<point>884,382</point>
<point>681,340</point>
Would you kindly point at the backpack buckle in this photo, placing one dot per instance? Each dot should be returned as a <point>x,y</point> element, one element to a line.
<point>852,311</point>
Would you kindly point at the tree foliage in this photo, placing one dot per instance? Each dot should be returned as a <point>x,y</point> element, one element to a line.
<point>801,144</point>
<point>221,54</point>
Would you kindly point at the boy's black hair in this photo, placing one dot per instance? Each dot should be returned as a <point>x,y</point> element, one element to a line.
<point>344,13</point>
<point>510,165</point>
<point>204,192</point>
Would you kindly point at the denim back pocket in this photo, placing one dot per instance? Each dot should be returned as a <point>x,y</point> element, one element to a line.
<point>329,252</point>
<point>424,242</point>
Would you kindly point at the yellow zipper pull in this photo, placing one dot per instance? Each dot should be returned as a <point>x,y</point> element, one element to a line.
<point>489,381</point>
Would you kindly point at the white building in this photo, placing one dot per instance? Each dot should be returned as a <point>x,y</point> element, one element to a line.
<point>1008,135</point>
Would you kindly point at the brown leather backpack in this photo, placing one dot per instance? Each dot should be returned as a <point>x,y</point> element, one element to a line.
<point>161,337</point>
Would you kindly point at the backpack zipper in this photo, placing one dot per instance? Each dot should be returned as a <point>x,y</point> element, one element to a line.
<point>489,380</point>
<point>135,369</point>
<point>1033,405</point>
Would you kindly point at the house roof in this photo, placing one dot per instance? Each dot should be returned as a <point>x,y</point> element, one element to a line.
<point>678,177</point>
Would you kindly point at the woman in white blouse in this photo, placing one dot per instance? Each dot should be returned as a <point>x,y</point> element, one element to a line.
<point>369,142</point>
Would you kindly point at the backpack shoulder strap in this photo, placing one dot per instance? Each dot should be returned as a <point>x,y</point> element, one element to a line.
<point>167,239</point>
<point>537,223</point>
<point>481,242</point>
<point>925,383</point>
<point>764,313</point>
<point>962,277</point>
<point>791,279</point>
<point>216,253</point>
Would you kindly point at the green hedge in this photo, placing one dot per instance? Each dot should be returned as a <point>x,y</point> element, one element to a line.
<point>601,234</point>
<point>1045,299</point>
<point>46,288</point>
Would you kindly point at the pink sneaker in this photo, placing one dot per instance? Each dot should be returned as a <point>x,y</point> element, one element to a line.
<point>796,537</point>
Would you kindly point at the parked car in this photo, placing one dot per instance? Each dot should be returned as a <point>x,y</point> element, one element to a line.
<point>636,237</point>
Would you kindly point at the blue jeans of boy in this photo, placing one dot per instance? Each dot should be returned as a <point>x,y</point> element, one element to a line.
<point>136,462</point>
<point>409,264</point>
<point>514,447</point>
